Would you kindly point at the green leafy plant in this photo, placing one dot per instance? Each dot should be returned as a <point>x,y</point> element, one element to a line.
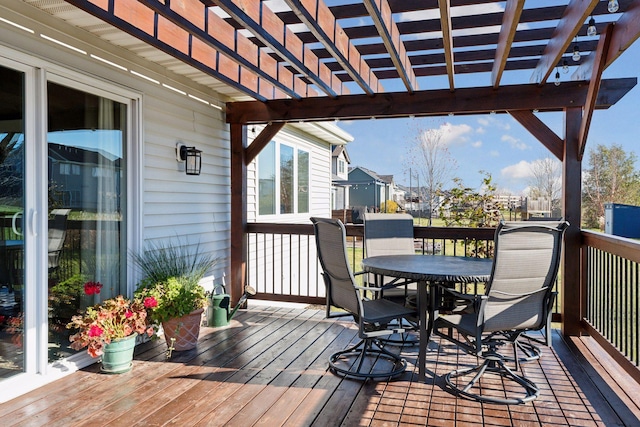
<point>175,297</point>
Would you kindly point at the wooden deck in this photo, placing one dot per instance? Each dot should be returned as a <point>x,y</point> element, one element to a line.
<point>269,367</point>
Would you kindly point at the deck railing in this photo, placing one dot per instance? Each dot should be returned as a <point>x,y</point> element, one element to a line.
<point>282,262</point>
<point>611,296</point>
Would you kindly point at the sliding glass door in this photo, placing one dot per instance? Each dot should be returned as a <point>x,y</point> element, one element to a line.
<point>86,143</point>
<point>12,207</point>
<point>63,152</point>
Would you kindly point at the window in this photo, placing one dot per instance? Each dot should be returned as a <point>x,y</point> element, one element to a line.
<point>283,184</point>
<point>340,166</point>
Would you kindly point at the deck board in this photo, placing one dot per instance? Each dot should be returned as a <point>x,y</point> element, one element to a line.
<point>269,368</point>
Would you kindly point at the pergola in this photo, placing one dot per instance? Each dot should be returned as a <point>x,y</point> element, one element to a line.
<point>283,61</point>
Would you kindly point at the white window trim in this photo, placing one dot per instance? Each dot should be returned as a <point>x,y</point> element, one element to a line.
<point>277,214</point>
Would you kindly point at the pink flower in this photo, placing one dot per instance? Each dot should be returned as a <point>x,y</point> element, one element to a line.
<point>91,288</point>
<point>95,331</point>
<point>128,314</point>
<point>150,302</point>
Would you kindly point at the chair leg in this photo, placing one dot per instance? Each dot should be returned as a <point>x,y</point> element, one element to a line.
<point>493,364</point>
<point>404,339</point>
<point>350,362</point>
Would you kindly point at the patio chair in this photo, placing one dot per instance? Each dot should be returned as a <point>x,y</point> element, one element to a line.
<point>518,298</point>
<point>392,234</point>
<point>368,359</point>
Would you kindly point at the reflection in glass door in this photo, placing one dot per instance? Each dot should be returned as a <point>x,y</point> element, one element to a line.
<point>12,305</point>
<point>86,146</point>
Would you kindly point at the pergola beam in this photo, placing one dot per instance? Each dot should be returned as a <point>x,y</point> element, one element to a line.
<point>599,64</point>
<point>261,141</point>
<point>541,131</point>
<point>429,103</point>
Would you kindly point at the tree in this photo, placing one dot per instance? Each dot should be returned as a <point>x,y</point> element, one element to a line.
<point>467,207</point>
<point>611,178</point>
<point>389,206</point>
<point>546,180</point>
<point>429,155</point>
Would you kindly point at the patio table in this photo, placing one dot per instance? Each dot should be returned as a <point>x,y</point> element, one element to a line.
<point>428,270</point>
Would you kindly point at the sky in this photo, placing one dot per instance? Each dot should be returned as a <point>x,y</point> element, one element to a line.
<point>495,143</point>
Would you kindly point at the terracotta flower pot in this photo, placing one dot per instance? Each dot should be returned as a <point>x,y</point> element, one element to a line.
<point>185,330</point>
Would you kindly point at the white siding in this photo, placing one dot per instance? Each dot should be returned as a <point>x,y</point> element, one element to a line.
<point>192,208</point>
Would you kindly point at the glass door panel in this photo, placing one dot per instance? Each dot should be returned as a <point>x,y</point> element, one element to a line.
<point>86,139</point>
<point>12,89</point>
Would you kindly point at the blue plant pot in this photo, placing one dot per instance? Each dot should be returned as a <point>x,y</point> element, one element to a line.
<point>118,355</point>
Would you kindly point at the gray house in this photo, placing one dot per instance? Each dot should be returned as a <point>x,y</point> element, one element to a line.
<point>368,189</point>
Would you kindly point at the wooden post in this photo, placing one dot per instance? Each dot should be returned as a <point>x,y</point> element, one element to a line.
<point>571,203</point>
<point>238,138</point>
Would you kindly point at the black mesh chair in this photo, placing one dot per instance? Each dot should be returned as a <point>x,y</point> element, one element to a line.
<point>368,358</point>
<point>518,298</point>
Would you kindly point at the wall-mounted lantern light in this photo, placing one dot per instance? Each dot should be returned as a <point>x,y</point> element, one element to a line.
<point>192,158</point>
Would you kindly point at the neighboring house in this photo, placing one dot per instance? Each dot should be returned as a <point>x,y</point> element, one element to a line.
<point>368,189</point>
<point>289,182</point>
<point>340,162</point>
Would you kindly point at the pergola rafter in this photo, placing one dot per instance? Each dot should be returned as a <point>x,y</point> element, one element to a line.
<point>200,23</point>
<point>318,18</point>
<point>266,27</point>
<point>572,21</point>
<point>381,14</point>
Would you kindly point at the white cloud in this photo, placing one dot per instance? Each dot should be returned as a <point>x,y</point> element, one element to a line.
<point>494,121</point>
<point>514,142</point>
<point>455,134</point>
<point>494,153</point>
<point>481,130</point>
<point>476,144</point>
<point>520,170</point>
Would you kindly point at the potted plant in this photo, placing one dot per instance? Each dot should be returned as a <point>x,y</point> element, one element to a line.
<point>172,272</point>
<point>109,329</point>
<point>178,307</point>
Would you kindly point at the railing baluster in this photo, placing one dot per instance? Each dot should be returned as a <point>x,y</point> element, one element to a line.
<point>613,289</point>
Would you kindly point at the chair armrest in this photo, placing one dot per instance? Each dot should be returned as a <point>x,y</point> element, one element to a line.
<point>460,295</point>
<point>368,288</point>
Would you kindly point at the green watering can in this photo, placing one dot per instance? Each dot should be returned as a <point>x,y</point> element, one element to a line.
<point>218,314</point>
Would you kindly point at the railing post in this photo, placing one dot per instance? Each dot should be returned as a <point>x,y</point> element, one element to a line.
<point>238,254</point>
<point>571,203</point>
